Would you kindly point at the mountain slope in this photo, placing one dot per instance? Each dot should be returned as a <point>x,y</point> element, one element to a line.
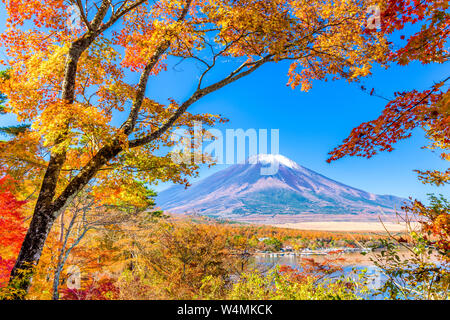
<point>241,190</point>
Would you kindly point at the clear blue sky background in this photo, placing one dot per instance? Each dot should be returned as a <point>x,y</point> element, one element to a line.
<point>312,124</point>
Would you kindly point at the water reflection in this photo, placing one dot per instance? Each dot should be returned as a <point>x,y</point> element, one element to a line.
<point>352,264</point>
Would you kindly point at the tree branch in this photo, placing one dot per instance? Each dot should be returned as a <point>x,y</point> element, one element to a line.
<point>199,93</point>
<point>130,123</point>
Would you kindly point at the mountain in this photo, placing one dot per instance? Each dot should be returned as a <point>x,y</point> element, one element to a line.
<point>292,193</point>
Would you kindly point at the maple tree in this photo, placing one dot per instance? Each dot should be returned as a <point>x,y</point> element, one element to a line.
<point>426,109</point>
<point>12,228</point>
<point>70,84</point>
<point>417,264</point>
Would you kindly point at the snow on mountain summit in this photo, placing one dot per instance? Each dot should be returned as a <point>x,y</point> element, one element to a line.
<point>273,159</point>
<point>247,191</point>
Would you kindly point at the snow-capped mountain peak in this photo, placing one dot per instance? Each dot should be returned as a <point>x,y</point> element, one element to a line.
<point>273,160</point>
<point>243,191</point>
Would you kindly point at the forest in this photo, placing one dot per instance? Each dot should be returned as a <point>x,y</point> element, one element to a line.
<point>146,255</point>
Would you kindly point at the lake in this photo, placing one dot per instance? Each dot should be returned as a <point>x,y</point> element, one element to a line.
<point>350,261</point>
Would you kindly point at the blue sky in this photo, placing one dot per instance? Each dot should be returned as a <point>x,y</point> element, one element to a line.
<point>311,124</point>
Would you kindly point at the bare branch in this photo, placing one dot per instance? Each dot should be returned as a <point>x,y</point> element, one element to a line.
<point>83,14</point>
<point>199,93</point>
<point>129,124</point>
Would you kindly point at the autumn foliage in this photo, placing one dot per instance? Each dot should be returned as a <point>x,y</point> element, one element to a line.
<point>91,132</point>
<point>422,275</point>
<point>427,109</point>
<point>103,289</point>
<point>12,228</point>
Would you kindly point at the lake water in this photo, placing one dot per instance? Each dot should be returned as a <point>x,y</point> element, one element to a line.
<point>350,263</point>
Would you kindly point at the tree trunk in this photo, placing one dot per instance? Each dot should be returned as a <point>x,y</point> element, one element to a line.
<point>45,213</point>
<point>47,209</point>
<point>55,294</point>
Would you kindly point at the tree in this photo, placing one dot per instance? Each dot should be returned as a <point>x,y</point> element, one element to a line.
<point>12,230</point>
<point>184,254</point>
<point>423,272</point>
<point>273,244</point>
<point>86,214</point>
<point>70,83</point>
<point>428,109</point>
<point>286,283</point>
<point>9,130</point>
<point>417,276</point>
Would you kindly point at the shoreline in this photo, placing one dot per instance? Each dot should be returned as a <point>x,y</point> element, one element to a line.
<point>346,226</point>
